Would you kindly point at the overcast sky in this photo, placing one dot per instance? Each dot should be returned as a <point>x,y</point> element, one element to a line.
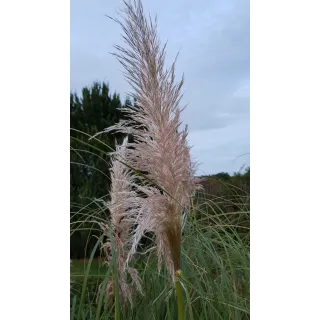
<point>213,38</point>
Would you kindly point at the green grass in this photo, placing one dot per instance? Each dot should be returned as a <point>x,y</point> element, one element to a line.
<point>215,267</point>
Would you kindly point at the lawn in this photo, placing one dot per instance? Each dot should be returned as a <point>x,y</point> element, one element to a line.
<point>78,267</point>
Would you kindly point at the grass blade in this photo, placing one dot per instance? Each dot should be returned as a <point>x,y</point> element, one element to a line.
<point>102,293</point>
<point>115,279</point>
<point>73,310</point>
<point>84,286</point>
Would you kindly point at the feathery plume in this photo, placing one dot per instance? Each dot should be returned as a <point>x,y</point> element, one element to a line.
<point>159,148</point>
<point>123,199</point>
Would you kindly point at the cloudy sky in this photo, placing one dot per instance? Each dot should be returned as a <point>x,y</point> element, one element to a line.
<point>214,42</point>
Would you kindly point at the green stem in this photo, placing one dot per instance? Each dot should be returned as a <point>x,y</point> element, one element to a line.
<point>115,279</point>
<point>179,295</point>
<point>116,314</point>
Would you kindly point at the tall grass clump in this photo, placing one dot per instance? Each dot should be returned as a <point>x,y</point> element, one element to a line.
<point>215,260</point>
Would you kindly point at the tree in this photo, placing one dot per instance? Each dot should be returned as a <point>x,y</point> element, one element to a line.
<point>90,114</point>
<point>224,176</point>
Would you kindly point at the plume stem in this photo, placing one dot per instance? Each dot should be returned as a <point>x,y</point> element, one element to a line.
<point>179,295</point>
